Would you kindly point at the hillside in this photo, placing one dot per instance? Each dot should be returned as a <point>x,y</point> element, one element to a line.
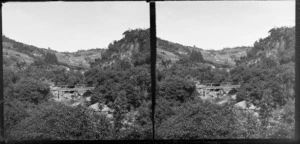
<point>173,51</point>
<point>277,48</point>
<point>226,56</point>
<point>133,47</point>
<point>126,48</point>
<point>80,58</point>
<point>14,51</point>
<point>132,50</point>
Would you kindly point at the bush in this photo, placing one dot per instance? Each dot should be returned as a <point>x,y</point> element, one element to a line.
<point>196,56</point>
<point>14,112</point>
<point>198,120</point>
<point>31,90</point>
<point>55,121</point>
<point>177,89</point>
<point>50,58</point>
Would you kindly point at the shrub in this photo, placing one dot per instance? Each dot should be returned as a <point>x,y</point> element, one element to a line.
<point>31,90</point>
<point>55,121</point>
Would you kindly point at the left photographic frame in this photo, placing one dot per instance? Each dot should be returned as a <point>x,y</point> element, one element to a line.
<point>76,71</point>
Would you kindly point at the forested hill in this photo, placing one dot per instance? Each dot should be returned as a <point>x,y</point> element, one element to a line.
<point>134,48</point>
<point>277,48</point>
<point>267,73</point>
<point>173,51</point>
<point>15,52</point>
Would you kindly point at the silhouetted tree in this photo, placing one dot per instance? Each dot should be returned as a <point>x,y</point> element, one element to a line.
<point>50,58</point>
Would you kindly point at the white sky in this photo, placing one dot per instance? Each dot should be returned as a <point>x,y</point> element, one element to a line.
<point>219,24</point>
<point>70,26</point>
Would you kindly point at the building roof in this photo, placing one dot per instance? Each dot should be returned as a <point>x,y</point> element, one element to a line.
<point>95,107</point>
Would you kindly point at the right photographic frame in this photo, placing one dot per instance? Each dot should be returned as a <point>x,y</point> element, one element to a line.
<point>225,70</point>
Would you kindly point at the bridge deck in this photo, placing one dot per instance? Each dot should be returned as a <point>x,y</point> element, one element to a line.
<point>76,89</point>
<point>220,87</point>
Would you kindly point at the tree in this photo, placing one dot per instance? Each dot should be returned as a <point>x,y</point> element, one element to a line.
<point>198,120</point>
<point>196,56</point>
<point>140,59</point>
<point>123,64</point>
<point>166,63</point>
<point>14,112</point>
<point>267,63</point>
<point>9,77</point>
<point>31,90</point>
<point>163,110</point>
<point>21,65</point>
<point>176,89</point>
<point>50,58</point>
<point>55,121</point>
<point>39,63</point>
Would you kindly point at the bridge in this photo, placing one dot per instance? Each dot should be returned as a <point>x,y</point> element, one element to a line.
<point>77,89</point>
<point>220,88</point>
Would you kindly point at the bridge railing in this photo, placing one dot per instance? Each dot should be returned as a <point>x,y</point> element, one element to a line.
<point>212,84</point>
<point>79,85</point>
<point>72,86</point>
<point>220,84</point>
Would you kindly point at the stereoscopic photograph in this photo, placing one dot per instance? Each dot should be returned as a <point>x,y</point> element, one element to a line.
<point>82,70</point>
<point>76,70</point>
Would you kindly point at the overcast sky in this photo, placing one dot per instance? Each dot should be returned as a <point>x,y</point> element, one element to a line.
<point>70,26</point>
<point>219,24</point>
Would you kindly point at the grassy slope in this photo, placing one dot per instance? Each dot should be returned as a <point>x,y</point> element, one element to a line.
<point>166,50</point>
<point>15,55</point>
<point>167,55</point>
<point>224,56</point>
<point>80,58</point>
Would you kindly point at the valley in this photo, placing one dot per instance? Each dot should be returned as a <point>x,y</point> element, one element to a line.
<point>240,92</point>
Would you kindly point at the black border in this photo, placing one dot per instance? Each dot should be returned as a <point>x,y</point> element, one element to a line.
<point>1,88</point>
<point>153,61</point>
<point>153,88</point>
<point>297,60</point>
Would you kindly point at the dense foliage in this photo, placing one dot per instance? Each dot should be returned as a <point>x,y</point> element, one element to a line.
<point>196,56</point>
<point>50,58</point>
<point>31,90</point>
<point>279,46</point>
<point>134,46</point>
<point>267,78</point>
<point>173,47</point>
<point>122,82</point>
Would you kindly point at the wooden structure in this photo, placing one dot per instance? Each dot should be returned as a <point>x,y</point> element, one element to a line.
<point>77,89</point>
<point>220,88</point>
